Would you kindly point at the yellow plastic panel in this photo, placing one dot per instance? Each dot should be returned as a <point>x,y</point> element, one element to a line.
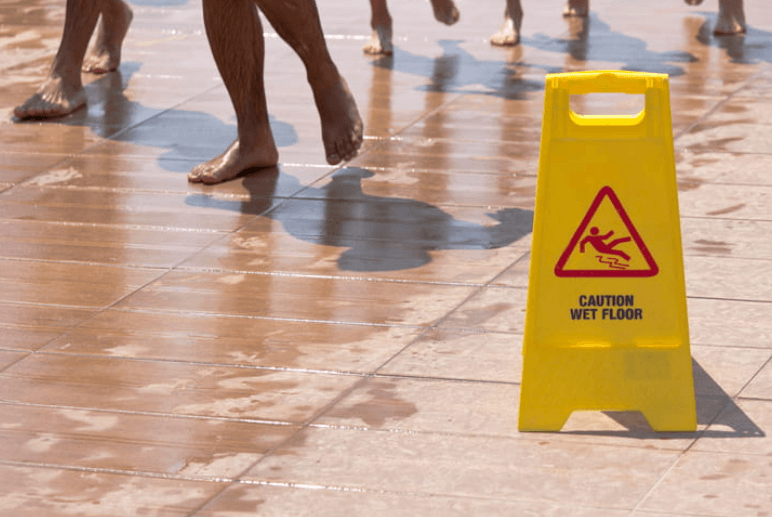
<point>606,325</point>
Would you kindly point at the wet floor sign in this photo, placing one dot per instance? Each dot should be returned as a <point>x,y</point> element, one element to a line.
<point>606,325</point>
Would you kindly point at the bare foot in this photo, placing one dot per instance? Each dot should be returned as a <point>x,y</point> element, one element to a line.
<point>233,162</point>
<point>380,42</point>
<point>508,35</point>
<point>341,124</point>
<point>731,20</point>
<point>105,55</point>
<point>445,11</point>
<point>53,99</point>
<point>577,8</point>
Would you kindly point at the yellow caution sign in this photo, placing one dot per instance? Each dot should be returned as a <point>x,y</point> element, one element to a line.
<point>606,325</point>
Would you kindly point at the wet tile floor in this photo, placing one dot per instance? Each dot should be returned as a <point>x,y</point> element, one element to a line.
<point>317,340</point>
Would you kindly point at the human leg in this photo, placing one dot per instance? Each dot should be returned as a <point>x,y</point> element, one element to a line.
<point>235,37</point>
<point>577,8</point>
<point>731,17</point>
<point>380,23</point>
<point>105,55</point>
<point>509,33</point>
<point>297,22</point>
<point>445,11</point>
<point>62,92</point>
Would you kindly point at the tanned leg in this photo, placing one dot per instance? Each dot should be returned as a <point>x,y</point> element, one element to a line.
<point>235,36</point>
<point>380,22</point>
<point>445,11</point>
<point>297,22</point>
<point>62,92</point>
<point>509,33</point>
<point>577,8</point>
<point>731,17</point>
<point>105,55</point>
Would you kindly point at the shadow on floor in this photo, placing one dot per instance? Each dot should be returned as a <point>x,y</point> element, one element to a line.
<point>378,233</point>
<point>184,134</point>
<point>755,46</point>
<point>715,410</point>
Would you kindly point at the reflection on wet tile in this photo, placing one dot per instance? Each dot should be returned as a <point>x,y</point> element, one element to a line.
<point>405,240</point>
<point>212,339</point>
<point>8,358</point>
<point>694,169</point>
<point>441,406</point>
<point>542,471</point>
<point>74,285</point>
<point>190,447</point>
<point>727,202</point>
<point>155,209</point>
<point>164,387</point>
<point>735,138</point>
<point>442,353</point>
<point>499,309</point>
<point>32,492</point>
<point>299,298</point>
<point>108,244</point>
<point>249,500</point>
<point>17,167</point>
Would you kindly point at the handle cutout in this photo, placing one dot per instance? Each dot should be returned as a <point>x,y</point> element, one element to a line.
<point>593,105</point>
<point>607,109</point>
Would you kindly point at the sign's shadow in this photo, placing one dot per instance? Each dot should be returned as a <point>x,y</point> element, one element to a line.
<point>717,414</point>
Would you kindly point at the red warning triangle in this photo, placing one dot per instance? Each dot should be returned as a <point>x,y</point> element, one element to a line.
<point>607,244</point>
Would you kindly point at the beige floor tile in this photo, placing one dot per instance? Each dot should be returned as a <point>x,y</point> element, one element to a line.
<point>724,372</point>
<point>159,388</point>
<point>742,428</point>
<point>8,357</point>
<point>150,209</point>
<point>48,320</point>
<point>728,278</point>
<point>117,441</point>
<point>73,285</point>
<point>483,467</point>
<point>442,406</point>
<point>441,353</point>
<point>442,188</point>
<point>730,323</point>
<point>500,309</point>
<point>46,138</point>
<point>213,339</point>
<point>32,492</point>
<point>714,484</point>
<point>18,167</point>
<point>761,385</point>
<point>726,238</point>
<point>299,298</point>
<point>279,501</point>
<point>739,138</point>
<point>100,244</point>
<point>727,202</point>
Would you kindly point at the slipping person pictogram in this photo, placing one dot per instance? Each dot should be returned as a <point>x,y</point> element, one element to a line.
<point>598,242</point>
